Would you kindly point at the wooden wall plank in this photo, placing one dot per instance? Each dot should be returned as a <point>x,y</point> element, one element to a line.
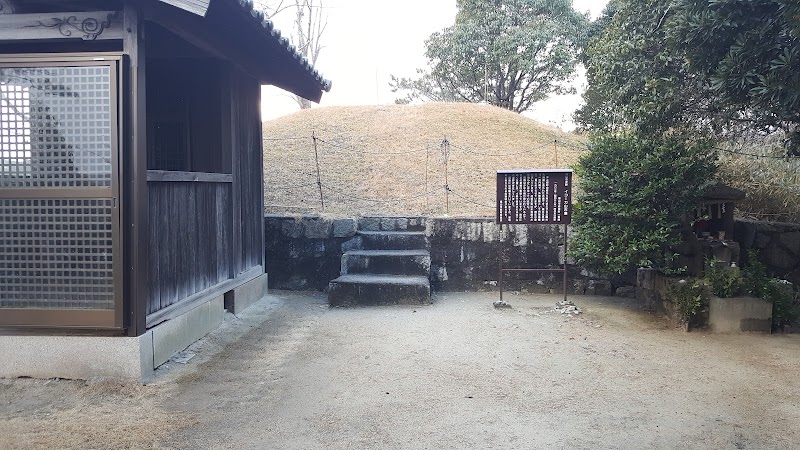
<point>190,244</point>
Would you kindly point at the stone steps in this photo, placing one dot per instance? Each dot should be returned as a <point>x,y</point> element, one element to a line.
<point>393,240</point>
<point>391,267</point>
<point>390,262</point>
<point>379,290</point>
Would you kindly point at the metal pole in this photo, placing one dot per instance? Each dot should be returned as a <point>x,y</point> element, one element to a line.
<point>565,262</point>
<point>319,180</point>
<point>427,206</point>
<point>555,150</point>
<point>500,261</point>
<point>446,153</point>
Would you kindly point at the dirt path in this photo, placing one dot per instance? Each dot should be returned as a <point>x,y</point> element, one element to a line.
<point>293,374</point>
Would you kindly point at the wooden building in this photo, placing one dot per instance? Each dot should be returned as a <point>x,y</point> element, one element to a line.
<point>131,178</point>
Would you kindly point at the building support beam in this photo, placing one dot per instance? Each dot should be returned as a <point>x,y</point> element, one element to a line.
<point>88,26</point>
<point>134,175</point>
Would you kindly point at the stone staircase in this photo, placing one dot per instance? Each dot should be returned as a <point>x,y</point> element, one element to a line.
<point>390,266</point>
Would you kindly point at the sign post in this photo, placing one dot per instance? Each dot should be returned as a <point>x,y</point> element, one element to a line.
<point>541,197</point>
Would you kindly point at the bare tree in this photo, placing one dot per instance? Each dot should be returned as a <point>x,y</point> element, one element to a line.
<point>309,26</point>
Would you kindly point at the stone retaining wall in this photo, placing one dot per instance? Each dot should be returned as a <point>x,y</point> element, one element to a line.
<point>305,252</point>
<point>778,245</point>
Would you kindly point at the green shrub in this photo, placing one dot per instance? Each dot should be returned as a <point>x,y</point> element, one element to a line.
<point>785,307</point>
<point>635,191</point>
<point>688,297</point>
<point>754,276</point>
<point>725,281</point>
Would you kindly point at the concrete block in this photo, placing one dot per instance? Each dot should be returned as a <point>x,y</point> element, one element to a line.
<point>739,314</point>
<point>146,355</point>
<point>344,228</point>
<point>175,335</point>
<point>317,229</point>
<point>75,357</point>
<point>379,290</point>
<point>245,295</point>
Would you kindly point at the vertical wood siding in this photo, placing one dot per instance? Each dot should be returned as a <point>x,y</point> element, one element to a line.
<point>248,174</point>
<point>205,233</point>
<point>190,232</point>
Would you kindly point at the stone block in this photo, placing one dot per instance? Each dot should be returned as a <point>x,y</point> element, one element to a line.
<point>762,240</point>
<point>599,287</point>
<point>467,231</point>
<point>778,257</point>
<point>491,232</point>
<point>441,228</point>
<point>740,314</point>
<point>791,241</point>
<point>388,224</point>
<point>292,229</point>
<point>625,291</point>
<point>343,228</point>
<point>745,233</point>
<point>352,244</point>
<point>317,229</point>
<point>519,235</point>
<point>402,224</point>
<point>369,224</point>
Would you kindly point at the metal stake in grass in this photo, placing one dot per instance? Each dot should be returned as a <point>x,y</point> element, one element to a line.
<point>319,180</point>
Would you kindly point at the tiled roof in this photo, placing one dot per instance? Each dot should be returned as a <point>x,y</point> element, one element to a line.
<point>269,29</point>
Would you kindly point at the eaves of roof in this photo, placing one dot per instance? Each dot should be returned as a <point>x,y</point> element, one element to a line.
<point>306,74</point>
<point>274,33</point>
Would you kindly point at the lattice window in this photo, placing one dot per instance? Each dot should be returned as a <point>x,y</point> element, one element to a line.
<point>15,131</point>
<point>55,127</point>
<point>56,254</point>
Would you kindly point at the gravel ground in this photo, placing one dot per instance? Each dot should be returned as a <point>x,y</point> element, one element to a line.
<point>290,373</point>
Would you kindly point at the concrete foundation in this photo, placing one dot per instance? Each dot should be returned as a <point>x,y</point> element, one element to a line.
<point>740,314</point>
<point>175,335</point>
<point>76,357</point>
<point>245,295</point>
<point>117,357</point>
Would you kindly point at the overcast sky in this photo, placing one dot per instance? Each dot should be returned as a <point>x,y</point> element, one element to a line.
<point>366,41</point>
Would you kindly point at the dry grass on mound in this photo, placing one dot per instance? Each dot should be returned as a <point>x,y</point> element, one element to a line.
<point>389,160</point>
